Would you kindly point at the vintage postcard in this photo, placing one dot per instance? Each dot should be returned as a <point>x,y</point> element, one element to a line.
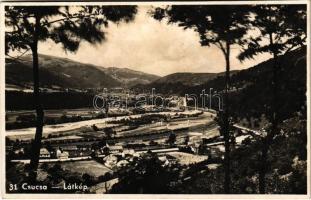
<point>155,99</point>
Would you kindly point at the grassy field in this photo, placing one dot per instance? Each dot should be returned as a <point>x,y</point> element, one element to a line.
<point>187,158</point>
<point>90,167</point>
<point>86,112</point>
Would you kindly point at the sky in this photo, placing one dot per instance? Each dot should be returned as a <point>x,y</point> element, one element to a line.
<point>150,46</point>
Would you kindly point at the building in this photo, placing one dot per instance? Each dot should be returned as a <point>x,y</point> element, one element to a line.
<point>115,149</point>
<point>44,153</point>
<point>122,163</point>
<point>129,151</point>
<point>164,160</point>
<point>62,154</point>
<point>70,148</point>
<point>110,161</point>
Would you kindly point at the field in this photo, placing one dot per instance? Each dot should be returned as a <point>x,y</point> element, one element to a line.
<point>85,126</point>
<point>90,167</point>
<point>86,112</point>
<point>187,158</point>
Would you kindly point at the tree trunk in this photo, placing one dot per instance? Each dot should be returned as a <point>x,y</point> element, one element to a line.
<point>263,166</point>
<point>36,145</point>
<point>266,141</point>
<point>226,123</point>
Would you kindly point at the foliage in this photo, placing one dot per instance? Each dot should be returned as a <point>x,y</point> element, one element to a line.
<point>215,24</point>
<point>171,139</point>
<point>283,25</point>
<point>146,175</point>
<point>286,175</point>
<point>219,25</point>
<point>285,28</point>
<point>61,24</point>
<point>26,26</point>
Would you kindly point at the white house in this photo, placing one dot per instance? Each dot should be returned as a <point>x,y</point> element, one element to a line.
<point>44,153</point>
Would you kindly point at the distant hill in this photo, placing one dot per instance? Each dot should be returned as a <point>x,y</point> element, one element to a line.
<point>66,73</point>
<point>251,89</point>
<point>251,92</point>
<point>129,77</point>
<point>189,79</point>
<point>177,82</point>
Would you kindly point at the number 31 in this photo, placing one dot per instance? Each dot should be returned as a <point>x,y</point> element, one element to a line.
<point>13,187</point>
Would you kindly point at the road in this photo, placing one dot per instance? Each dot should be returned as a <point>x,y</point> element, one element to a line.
<point>26,161</point>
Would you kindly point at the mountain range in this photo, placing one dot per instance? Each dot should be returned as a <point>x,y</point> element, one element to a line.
<point>66,73</point>
<point>251,90</point>
<point>250,93</point>
<point>186,78</point>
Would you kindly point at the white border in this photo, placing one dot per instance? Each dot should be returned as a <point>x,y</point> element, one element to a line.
<point>2,101</point>
<point>144,196</point>
<point>308,98</point>
<point>158,3</point>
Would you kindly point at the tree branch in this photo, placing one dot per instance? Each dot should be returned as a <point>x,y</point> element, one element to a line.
<point>18,57</point>
<point>293,46</point>
<point>221,46</point>
<point>68,18</point>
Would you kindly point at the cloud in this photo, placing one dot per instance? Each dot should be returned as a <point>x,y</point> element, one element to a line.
<point>150,46</point>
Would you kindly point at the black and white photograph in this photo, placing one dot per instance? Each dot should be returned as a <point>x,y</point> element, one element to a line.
<point>156,98</point>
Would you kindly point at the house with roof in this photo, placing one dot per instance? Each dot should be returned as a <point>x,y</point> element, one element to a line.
<point>44,153</point>
<point>115,149</point>
<point>60,154</point>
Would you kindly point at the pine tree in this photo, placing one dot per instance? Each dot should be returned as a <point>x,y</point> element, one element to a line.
<point>26,26</point>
